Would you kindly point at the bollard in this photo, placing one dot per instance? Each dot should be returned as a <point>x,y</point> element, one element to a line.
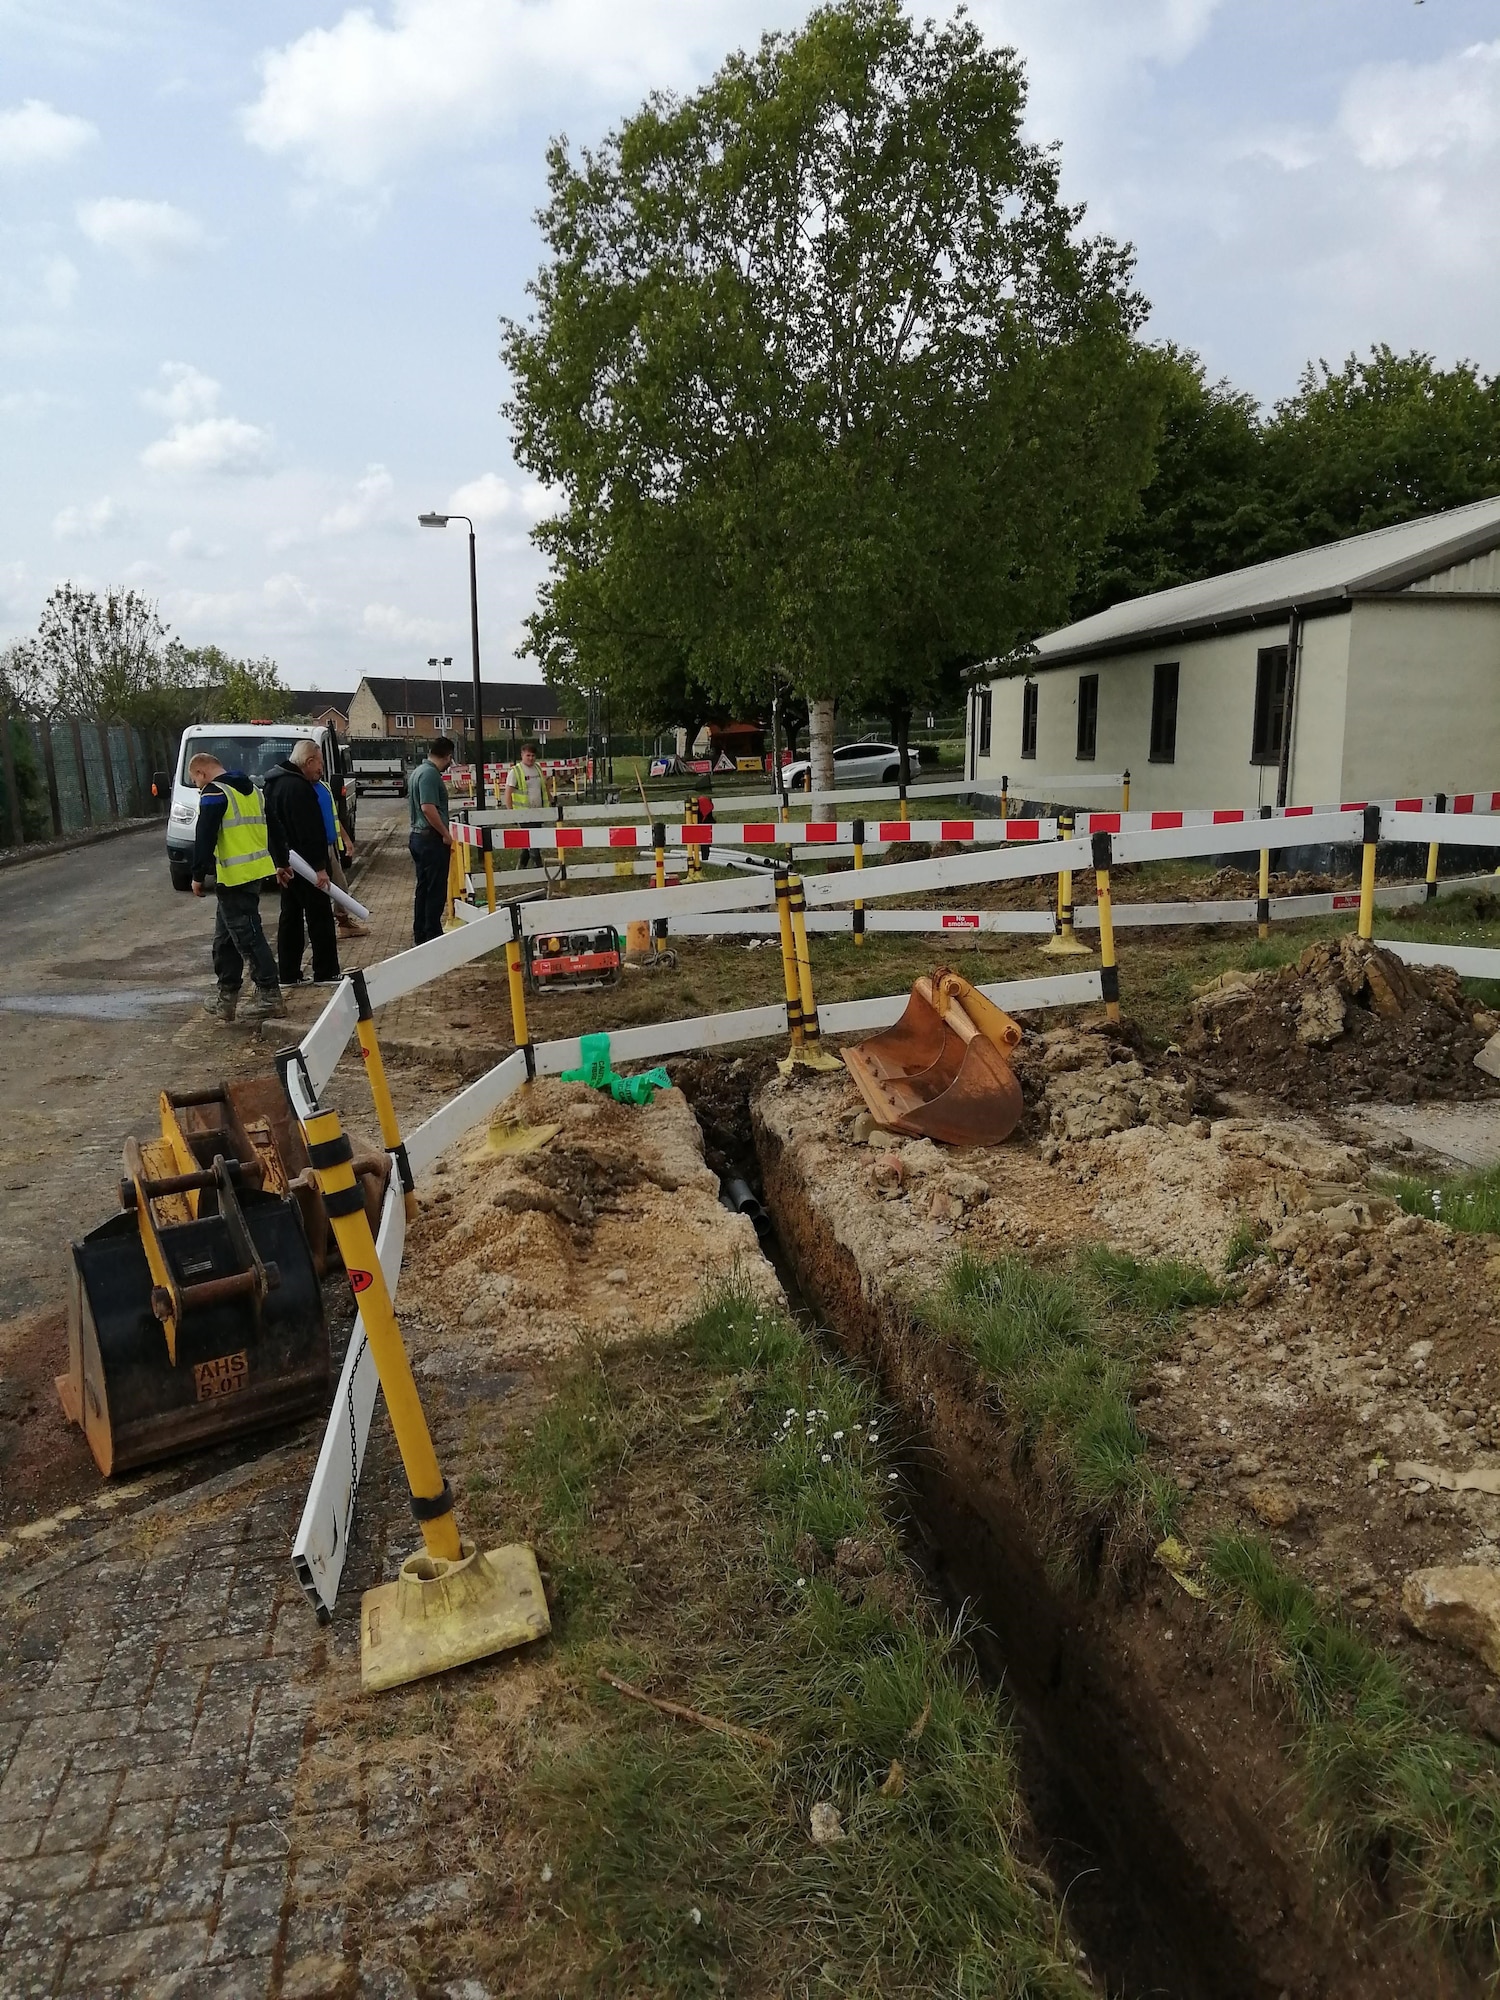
<point>380,1090</point>
<point>859,862</point>
<point>1439,804</point>
<point>1063,943</point>
<point>690,818</point>
<point>1004,797</point>
<point>798,904</point>
<point>517,977</point>
<point>1263,893</point>
<point>790,980</point>
<point>1367,873</point>
<point>1125,794</point>
<point>904,813</point>
<point>1109,975</point>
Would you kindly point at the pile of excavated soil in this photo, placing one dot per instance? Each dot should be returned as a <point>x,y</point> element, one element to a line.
<point>609,1230</point>
<point>1359,1341</point>
<point>1347,1022</point>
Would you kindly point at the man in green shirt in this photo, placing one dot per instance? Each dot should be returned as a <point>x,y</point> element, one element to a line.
<point>430,841</point>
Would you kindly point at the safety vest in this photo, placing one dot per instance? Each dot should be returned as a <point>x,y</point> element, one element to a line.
<point>518,779</point>
<point>240,852</point>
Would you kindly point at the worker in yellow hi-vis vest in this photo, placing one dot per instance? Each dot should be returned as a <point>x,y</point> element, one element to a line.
<point>230,840</point>
<point>526,785</point>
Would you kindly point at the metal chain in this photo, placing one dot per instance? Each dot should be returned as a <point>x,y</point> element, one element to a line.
<point>353,1442</point>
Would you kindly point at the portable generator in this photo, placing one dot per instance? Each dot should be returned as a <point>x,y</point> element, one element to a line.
<point>571,961</point>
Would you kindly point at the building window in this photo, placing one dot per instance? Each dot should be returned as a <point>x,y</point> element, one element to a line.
<point>403,722</point>
<point>984,721</point>
<point>1164,714</point>
<point>1028,718</point>
<point>1270,702</point>
<point>1088,715</point>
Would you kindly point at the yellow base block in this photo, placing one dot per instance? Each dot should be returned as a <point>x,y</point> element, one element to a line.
<point>809,1056</point>
<point>1064,946</point>
<point>438,1615</point>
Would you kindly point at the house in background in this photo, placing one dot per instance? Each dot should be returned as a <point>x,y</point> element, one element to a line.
<point>1364,669</point>
<point>321,705</point>
<point>413,709</point>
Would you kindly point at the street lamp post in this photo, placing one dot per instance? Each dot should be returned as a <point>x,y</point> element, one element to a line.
<point>441,521</point>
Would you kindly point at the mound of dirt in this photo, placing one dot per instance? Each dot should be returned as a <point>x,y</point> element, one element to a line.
<point>1086,1082</point>
<point>610,1230</point>
<point>1347,1021</point>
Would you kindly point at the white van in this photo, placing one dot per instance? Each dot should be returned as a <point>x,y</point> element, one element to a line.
<point>254,748</point>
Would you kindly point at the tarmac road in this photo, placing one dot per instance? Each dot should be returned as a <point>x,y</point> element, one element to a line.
<point>102,979</point>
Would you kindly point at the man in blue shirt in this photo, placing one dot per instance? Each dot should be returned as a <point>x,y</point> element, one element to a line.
<point>429,841</point>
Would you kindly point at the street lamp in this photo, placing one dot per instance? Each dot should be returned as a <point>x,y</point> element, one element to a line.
<point>441,521</point>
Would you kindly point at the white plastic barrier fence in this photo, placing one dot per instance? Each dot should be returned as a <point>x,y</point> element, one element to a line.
<point>1470,961</point>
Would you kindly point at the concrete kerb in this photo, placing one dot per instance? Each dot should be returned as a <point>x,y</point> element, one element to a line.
<point>42,850</point>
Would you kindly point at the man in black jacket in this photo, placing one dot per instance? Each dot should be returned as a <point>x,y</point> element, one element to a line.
<point>294,821</point>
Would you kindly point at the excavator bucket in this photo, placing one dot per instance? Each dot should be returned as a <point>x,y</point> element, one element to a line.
<point>941,1073</point>
<point>196,1314</point>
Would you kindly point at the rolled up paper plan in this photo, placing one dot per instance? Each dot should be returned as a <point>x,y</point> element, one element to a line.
<point>344,901</point>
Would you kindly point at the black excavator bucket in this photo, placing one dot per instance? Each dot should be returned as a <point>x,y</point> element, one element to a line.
<point>242,1360</point>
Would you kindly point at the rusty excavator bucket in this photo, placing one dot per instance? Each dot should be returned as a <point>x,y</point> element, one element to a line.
<point>196,1313</point>
<point>941,1072</point>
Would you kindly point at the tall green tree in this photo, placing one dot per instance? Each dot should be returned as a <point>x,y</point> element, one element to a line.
<point>832,383</point>
<point>222,688</point>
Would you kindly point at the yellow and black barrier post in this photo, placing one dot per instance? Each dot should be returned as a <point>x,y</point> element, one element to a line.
<point>790,980</point>
<point>690,819</point>
<point>798,905</point>
<point>562,852</point>
<point>1109,974</point>
<point>380,1090</point>
<point>859,862</point>
<point>1367,873</point>
<point>450,1605</point>
<point>1263,888</point>
<point>1004,797</point>
<point>1439,804</point>
<point>659,856</point>
<point>1063,943</point>
<point>488,834</point>
<point>458,881</point>
<point>1125,793</point>
<point>516,973</point>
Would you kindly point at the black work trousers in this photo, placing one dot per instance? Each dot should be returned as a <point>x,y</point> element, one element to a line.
<point>306,907</point>
<point>240,940</point>
<point>430,903</point>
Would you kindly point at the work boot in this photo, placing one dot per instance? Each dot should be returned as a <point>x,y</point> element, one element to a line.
<point>354,928</point>
<point>222,1005</point>
<point>269,1004</point>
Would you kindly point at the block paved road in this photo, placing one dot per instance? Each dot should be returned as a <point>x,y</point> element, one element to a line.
<point>177,1813</point>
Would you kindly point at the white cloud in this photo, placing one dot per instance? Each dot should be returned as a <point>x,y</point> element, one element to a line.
<point>34,135</point>
<point>149,235</point>
<point>186,545</point>
<point>99,517</point>
<point>1395,114</point>
<point>213,444</point>
<point>185,392</point>
<point>491,498</point>
<point>368,503</point>
<point>389,621</point>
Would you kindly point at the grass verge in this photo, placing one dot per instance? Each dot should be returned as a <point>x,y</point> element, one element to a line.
<point>1065,1347</point>
<point>1396,1792</point>
<point>734,1484</point>
<point>1464,1201</point>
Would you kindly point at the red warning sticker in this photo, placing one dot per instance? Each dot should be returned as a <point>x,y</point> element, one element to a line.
<point>960,920</point>
<point>360,1281</point>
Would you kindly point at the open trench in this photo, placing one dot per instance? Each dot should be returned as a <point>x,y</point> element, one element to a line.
<point>1175,1879</point>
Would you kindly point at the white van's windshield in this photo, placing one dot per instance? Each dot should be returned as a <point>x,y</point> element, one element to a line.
<point>254,755</point>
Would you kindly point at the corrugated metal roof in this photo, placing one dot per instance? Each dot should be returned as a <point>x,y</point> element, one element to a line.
<point>1386,559</point>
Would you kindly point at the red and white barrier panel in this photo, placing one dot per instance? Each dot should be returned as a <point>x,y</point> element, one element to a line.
<point>757,833</point>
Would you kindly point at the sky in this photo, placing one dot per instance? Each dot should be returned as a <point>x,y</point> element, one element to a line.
<point>253,262</point>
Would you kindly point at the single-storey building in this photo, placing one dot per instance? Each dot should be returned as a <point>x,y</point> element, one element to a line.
<point>1364,669</point>
<point>398,706</point>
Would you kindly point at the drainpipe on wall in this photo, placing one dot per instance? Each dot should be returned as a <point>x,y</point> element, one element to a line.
<point>1289,704</point>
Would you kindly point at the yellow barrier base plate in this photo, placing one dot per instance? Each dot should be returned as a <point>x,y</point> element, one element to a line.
<point>438,1615</point>
<point>1067,947</point>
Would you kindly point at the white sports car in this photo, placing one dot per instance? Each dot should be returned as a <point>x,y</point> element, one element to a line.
<point>856,763</point>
